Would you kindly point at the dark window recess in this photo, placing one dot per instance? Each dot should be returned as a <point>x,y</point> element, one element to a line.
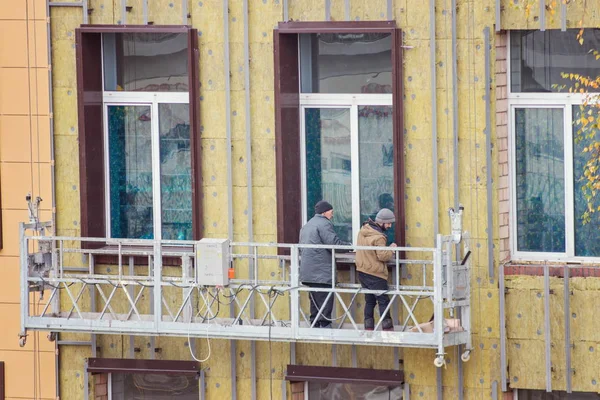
<point>333,391</point>
<point>154,386</point>
<point>543,395</point>
<point>147,62</point>
<point>359,62</point>
<point>154,48</point>
<point>538,58</point>
<point>342,42</point>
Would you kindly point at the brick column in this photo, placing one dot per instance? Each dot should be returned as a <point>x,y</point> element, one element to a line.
<point>502,117</point>
<point>101,386</point>
<point>297,390</point>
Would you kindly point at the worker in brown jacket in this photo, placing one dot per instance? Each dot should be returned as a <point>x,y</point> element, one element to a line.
<point>372,267</point>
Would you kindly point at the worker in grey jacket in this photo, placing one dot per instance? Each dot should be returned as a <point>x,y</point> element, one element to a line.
<point>315,264</point>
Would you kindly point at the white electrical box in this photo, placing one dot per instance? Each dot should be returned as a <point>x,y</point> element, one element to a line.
<point>212,262</point>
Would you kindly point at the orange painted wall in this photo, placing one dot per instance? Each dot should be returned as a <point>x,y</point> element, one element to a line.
<point>25,167</point>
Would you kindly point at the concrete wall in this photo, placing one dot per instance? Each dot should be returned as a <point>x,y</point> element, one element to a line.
<point>482,372</point>
<point>25,157</point>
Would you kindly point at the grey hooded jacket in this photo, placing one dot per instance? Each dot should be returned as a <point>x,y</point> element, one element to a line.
<point>315,264</point>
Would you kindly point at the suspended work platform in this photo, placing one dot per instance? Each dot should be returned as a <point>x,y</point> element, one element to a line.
<point>150,287</point>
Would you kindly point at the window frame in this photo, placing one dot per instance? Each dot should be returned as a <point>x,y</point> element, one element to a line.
<point>287,118</point>
<point>339,101</point>
<point>152,100</point>
<point>92,139</point>
<point>566,101</point>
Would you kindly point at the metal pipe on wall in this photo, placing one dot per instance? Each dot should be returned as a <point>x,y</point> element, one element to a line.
<point>229,171</point>
<point>563,16</point>
<point>547,333</point>
<point>498,16</point>
<point>434,138</point>
<point>567,316</point>
<point>542,15</point>
<point>502,298</point>
<point>145,11</point>
<point>434,150</point>
<point>488,153</point>
<point>460,372</point>
<point>347,9</point>
<point>123,12</point>
<point>249,208</point>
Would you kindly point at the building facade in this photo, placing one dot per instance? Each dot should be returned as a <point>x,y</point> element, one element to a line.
<point>183,120</point>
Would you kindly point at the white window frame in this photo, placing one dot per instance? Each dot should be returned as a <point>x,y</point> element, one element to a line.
<point>352,102</point>
<point>139,99</point>
<point>566,101</point>
<point>130,98</point>
<point>109,386</point>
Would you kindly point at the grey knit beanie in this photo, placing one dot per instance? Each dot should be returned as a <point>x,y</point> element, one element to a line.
<point>385,216</point>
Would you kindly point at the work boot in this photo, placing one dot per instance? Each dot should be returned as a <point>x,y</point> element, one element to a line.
<point>387,324</point>
<point>369,324</point>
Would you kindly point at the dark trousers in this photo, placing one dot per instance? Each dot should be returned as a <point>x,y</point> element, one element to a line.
<point>316,302</point>
<point>374,283</point>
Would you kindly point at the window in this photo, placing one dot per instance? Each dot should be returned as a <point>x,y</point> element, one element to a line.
<point>358,391</point>
<point>548,204</point>
<point>338,124</point>
<point>328,383</point>
<point>156,386</point>
<point>525,394</point>
<point>138,119</point>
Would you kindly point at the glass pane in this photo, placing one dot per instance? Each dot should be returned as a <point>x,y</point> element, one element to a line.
<point>145,62</point>
<point>587,235</point>
<point>540,179</point>
<point>334,391</point>
<point>328,164</point>
<point>130,172</point>
<point>175,171</point>
<point>346,63</point>
<point>154,387</point>
<point>538,59</point>
<point>376,161</point>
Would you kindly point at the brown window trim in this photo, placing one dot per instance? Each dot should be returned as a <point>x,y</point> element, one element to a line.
<point>309,373</point>
<point>90,124</point>
<point>2,381</point>
<point>287,119</point>
<point>556,270</point>
<point>136,366</point>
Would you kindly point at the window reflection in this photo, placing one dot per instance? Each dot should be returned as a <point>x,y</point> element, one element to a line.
<point>376,154</point>
<point>540,179</point>
<point>329,164</point>
<point>346,62</point>
<point>539,57</point>
<point>145,62</point>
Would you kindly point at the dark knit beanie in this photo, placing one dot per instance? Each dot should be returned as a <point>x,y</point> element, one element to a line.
<point>322,206</point>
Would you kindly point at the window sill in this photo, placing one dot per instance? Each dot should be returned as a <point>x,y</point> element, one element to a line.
<point>555,269</point>
<point>109,255</point>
